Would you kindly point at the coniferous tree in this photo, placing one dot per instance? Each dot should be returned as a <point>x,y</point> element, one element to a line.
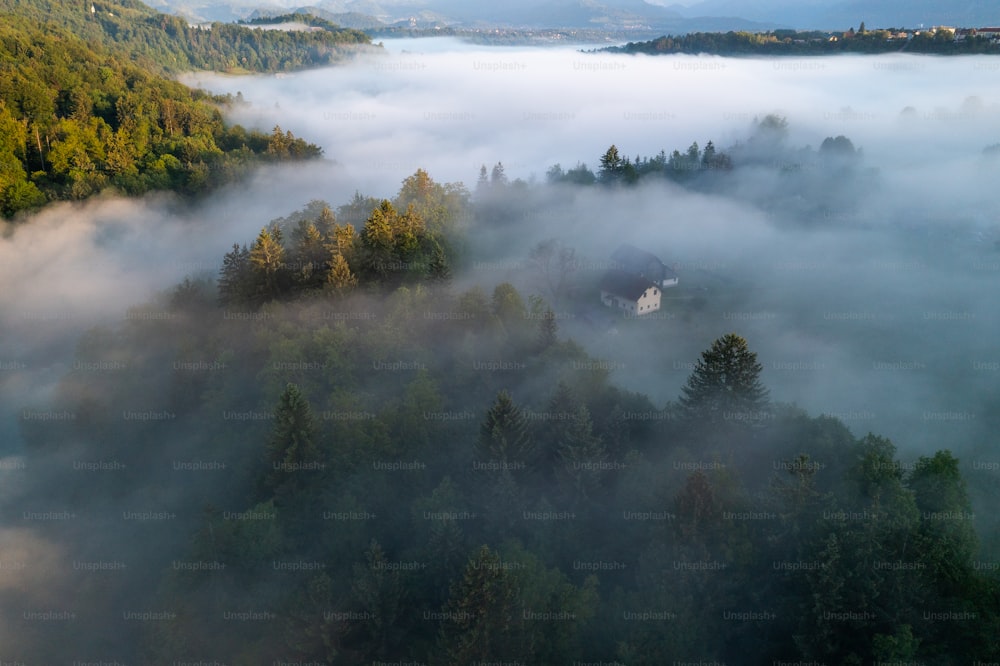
<point>503,435</point>
<point>309,256</point>
<point>438,268</point>
<point>548,330</point>
<point>484,181</point>
<point>267,263</point>
<point>340,278</point>
<point>313,631</point>
<point>725,385</point>
<point>611,165</point>
<point>552,430</point>
<point>342,240</point>
<point>481,613</point>
<point>580,455</point>
<point>292,449</point>
<point>379,595</point>
<point>377,234</point>
<point>326,222</point>
<point>498,178</point>
<point>948,538</point>
<point>235,277</point>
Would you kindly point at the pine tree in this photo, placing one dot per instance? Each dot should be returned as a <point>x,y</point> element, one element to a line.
<point>611,165</point>
<point>552,431</point>
<point>580,455</point>
<point>948,538</point>
<point>548,330</point>
<point>379,595</point>
<point>438,268</point>
<point>235,277</point>
<point>326,222</point>
<point>481,611</point>
<point>617,433</point>
<point>708,156</point>
<point>310,256</point>
<point>503,435</point>
<point>484,181</point>
<point>725,385</point>
<point>498,178</point>
<point>267,262</point>
<point>342,240</point>
<point>279,144</point>
<point>340,278</point>
<point>292,448</point>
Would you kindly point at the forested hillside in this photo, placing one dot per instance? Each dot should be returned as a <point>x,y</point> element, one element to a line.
<point>133,31</point>
<point>85,103</point>
<point>335,455</point>
<point>799,43</point>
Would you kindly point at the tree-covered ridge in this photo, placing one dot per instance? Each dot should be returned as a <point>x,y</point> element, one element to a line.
<point>77,119</point>
<point>791,42</point>
<point>295,17</point>
<point>406,241</point>
<point>811,183</point>
<point>130,30</point>
<point>618,169</point>
<point>410,471</point>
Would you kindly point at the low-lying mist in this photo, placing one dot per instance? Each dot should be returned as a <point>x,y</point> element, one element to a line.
<point>881,310</point>
<point>865,311</point>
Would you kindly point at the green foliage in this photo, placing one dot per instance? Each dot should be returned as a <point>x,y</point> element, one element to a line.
<point>590,535</point>
<point>810,42</point>
<point>292,449</point>
<point>85,104</point>
<point>481,612</point>
<point>725,385</point>
<point>615,169</point>
<point>503,435</point>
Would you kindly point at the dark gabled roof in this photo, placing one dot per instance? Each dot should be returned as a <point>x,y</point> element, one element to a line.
<point>630,255</point>
<point>631,259</point>
<point>625,285</point>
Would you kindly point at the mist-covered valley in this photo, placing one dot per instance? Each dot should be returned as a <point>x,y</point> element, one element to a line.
<point>861,273</point>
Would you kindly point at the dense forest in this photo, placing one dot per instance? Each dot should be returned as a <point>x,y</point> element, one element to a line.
<point>350,447</point>
<point>798,43</point>
<point>85,105</point>
<point>336,454</point>
<point>130,30</point>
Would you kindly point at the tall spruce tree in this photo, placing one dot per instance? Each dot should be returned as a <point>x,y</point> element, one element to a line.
<point>725,385</point>
<point>503,435</point>
<point>267,264</point>
<point>292,448</point>
<point>481,613</point>
<point>235,277</point>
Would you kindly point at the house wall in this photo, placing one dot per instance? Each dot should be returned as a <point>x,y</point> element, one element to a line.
<point>648,302</point>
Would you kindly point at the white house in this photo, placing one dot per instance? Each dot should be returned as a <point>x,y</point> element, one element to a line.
<point>628,292</point>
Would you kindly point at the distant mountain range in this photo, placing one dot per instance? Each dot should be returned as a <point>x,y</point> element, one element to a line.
<point>612,14</point>
<point>705,15</point>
